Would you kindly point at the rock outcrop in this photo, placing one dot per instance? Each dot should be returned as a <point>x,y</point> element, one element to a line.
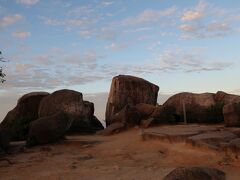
<point>72,103</point>
<point>231,114</point>
<point>196,173</point>
<point>129,90</point>
<point>18,119</point>
<point>48,129</point>
<point>200,108</point>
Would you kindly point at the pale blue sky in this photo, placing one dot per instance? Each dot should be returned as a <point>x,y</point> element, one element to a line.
<point>179,45</point>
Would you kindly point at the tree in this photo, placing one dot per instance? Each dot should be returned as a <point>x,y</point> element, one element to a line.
<point>2,75</point>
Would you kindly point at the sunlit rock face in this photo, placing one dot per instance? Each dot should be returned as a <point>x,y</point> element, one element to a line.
<point>225,98</point>
<point>129,90</point>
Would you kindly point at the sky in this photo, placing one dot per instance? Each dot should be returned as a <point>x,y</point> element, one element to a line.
<point>182,46</point>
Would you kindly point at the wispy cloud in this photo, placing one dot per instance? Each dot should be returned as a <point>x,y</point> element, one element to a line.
<point>117,46</point>
<point>21,34</point>
<point>180,60</point>
<point>206,20</point>
<point>10,19</point>
<point>27,2</point>
<point>195,13</point>
<point>192,15</point>
<point>149,15</point>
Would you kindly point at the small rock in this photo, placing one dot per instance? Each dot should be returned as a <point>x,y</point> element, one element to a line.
<point>195,173</point>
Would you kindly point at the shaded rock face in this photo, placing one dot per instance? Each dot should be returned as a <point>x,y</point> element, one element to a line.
<point>4,139</point>
<point>145,110</point>
<point>129,90</point>
<point>196,173</point>
<point>48,129</point>
<point>202,100</point>
<point>231,114</point>
<point>164,115</point>
<point>128,116</point>
<point>200,108</point>
<point>18,119</point>
<point>71,102</point>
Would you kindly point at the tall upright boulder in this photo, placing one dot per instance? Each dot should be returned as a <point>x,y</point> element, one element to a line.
<point>72,103</point>
<point>18,119</point>
<point>129,90</point>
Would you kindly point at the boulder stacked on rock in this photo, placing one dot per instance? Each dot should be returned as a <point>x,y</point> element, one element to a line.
<point>62,111</point>
<point>71,102</point>
<point>129,90</point>
<point>48,129</point>
<point>17,120</point>
<point>232,114</point>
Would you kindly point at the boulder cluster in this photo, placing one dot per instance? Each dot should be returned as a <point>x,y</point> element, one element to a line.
<point>132,102</point>
<point>40,117</point>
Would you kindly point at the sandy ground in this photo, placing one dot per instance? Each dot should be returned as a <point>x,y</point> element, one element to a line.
<point>121,156</point>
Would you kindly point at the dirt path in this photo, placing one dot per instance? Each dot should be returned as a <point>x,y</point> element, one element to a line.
<point>122,156</point>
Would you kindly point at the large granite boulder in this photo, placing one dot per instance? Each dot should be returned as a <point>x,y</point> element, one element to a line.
<point>129,90</point>
<point>195,173</point>
<point>225,98</point>
<point>17,120</point>
<point>202,100</point>
<point>200,108</point>
<point>48,129</point>
<point>72,103</point>
<point>231,114</point>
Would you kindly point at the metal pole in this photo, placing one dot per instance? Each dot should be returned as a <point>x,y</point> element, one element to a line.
<point>184,112</point>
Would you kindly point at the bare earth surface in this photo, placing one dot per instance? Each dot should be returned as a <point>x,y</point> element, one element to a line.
<point>121,156</point>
